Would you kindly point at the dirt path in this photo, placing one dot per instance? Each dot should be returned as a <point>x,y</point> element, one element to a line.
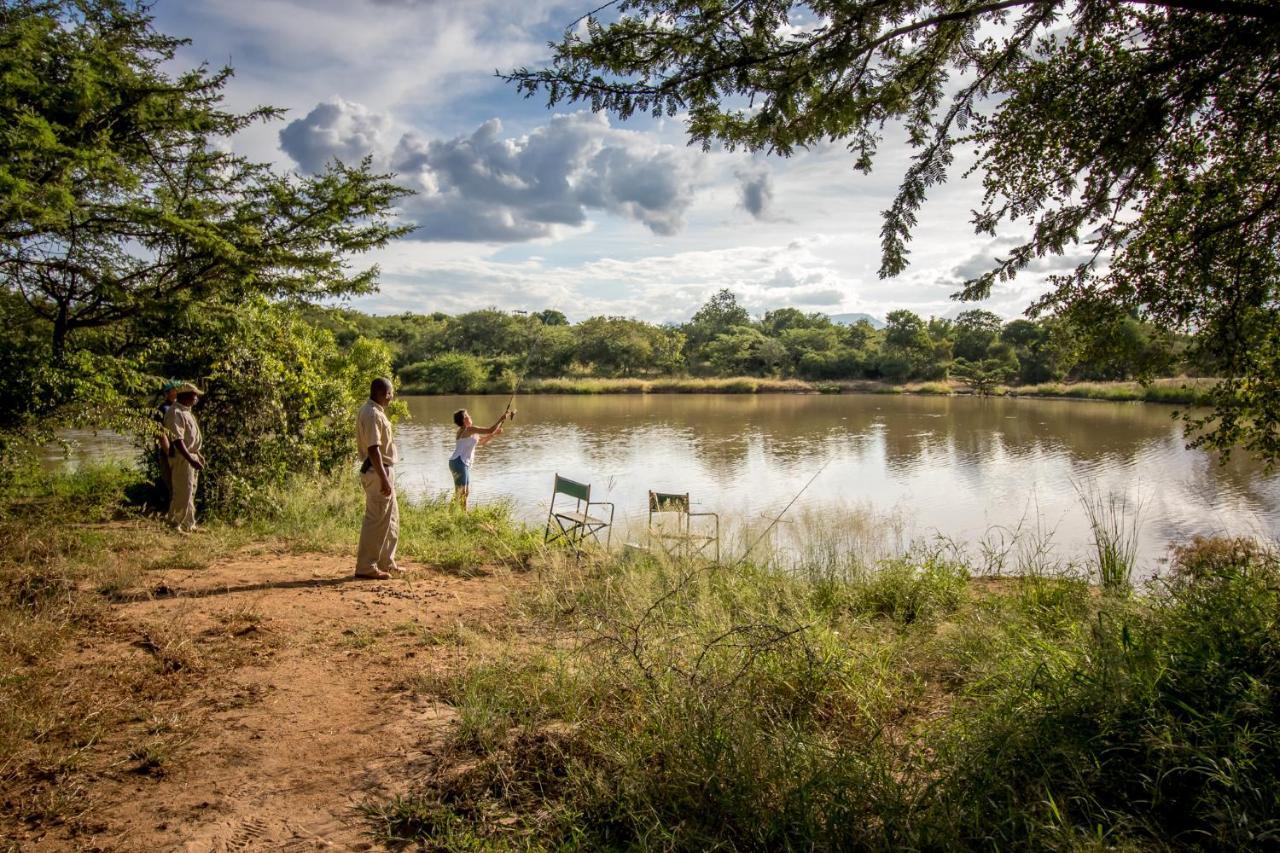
<point>295,698</point>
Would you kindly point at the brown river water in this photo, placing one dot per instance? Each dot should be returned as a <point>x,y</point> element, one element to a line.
<point>990,475</point>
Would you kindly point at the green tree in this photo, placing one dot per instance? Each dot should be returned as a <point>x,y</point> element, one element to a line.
<point>718,316</point>
<point>974,332</point>
<point>860,335</point>
<point>745,350</point>
<point>281,397</point>
<point>1046,351</point>
<point>116,198</point>
<point>1144,128</point>
<point>121,210</point>
<point>448,373</point>
<point>551,317</point>
<point>488,332</point>
<point>618,345</point>
<point>775,322</point>
<point>805,341</point>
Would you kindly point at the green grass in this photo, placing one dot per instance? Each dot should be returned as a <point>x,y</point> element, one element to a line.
<point>854,701</point>
<point>857,696</point>
<point>1182,391</point>
<point>1178,391</point>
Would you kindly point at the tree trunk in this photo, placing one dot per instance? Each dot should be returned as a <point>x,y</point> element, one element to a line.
<point>60,329</point>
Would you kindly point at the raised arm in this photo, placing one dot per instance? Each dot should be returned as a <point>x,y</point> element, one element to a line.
<point>475,430</point>
<point>485,439</point>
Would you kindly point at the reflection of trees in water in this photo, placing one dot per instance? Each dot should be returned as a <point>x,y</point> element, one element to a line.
<point>722,432</point>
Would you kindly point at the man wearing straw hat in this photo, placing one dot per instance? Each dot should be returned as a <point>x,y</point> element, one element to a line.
<point>184,456</point>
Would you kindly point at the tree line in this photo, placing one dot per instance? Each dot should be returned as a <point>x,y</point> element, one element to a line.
<point>490,348</point>
<point>136,246</point>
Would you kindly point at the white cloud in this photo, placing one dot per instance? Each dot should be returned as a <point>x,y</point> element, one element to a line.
<point>658,287</point>
<point>334,129</point>
<point>487,187</point>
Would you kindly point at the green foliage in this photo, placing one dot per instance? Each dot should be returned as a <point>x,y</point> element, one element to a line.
<point>1156,725</point>
<point>452,373</point>
<point>784,343</point>
<point>1144,130</point>
<point>617,346</point>
<point>884,706</point>
<point>986,375</point>
<point>281,398</point>
<point>123,217</point>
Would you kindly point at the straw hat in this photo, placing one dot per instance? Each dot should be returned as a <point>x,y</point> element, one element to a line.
<point>188,388</point>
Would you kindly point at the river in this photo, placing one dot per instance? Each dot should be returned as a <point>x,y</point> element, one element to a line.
<point>992,475</point>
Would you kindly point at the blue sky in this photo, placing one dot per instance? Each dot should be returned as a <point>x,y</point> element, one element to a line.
<point>520,207</point>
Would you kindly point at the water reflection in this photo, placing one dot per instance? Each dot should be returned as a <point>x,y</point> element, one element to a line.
<point>954,466</point>
<point>957,466</point>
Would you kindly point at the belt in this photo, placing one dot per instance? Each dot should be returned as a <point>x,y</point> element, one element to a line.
<point>367,465</point>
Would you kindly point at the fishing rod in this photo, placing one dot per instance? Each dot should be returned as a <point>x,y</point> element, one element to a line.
<point>528,356</point>
<point>779,516</point>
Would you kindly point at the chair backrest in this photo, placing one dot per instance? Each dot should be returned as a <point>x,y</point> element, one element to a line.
<point>665,502</point>
<point>572,488</point>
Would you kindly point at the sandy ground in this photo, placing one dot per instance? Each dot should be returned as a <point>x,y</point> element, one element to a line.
<point>297,695</point>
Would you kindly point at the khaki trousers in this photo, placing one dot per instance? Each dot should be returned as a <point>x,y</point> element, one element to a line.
<point>182,506</point>
<point>380,530</point>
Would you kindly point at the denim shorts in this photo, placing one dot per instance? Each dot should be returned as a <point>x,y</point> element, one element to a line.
<point>461,472</point>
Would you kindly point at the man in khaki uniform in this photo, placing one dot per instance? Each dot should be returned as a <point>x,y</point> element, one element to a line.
<point>380,531</point>
<point>185,459</point>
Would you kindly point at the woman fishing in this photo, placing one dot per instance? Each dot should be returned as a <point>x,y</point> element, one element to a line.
<point>464,453</point>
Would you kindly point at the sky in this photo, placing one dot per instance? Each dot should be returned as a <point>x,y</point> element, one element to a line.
<point>520,207</point>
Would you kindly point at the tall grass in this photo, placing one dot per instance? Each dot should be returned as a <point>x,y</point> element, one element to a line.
<point>667,385</point>
<point>1114,522</point>
<point>867,701</point>
<point>1186,391</point>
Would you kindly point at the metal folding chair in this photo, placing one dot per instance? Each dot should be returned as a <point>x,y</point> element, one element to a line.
<point>577,525</point>
<point>683,539</point>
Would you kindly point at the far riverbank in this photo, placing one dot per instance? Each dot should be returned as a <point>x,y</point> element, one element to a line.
<point>1178,390</point>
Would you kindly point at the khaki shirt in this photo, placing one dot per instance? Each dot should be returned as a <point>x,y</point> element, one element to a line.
<point>180,424</point>
<point>374,427</point>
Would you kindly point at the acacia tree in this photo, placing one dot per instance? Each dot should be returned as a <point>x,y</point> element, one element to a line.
<point>119,200</point>
<point>1145,129</point>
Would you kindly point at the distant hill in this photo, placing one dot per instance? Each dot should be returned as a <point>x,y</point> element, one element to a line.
<point>850,319</point>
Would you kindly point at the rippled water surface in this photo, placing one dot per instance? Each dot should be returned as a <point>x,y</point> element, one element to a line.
<point>965,468</point>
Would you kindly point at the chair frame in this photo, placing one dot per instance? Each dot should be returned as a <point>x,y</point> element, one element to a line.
<point>683,538</point>
<point>578,525</point>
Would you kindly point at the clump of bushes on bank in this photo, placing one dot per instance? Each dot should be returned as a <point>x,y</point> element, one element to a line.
<point>891,705</point>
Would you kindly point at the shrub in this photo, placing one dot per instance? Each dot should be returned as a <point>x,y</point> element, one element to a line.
<point>281,399</point>
<point>451,373</point>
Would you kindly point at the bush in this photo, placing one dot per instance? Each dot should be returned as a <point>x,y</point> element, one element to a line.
<point>1160,725</point>
<point>280,401</point>
<point>451,373</point>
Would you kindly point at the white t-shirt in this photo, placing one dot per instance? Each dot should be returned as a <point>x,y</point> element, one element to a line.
<point>466,449</point>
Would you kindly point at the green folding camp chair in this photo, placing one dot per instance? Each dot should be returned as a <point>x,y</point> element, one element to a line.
<point>672,526</point>
<point>578,525</point>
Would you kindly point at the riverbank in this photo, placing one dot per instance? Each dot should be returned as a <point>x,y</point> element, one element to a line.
<point>163,689</point>
<point>1181,391</point>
